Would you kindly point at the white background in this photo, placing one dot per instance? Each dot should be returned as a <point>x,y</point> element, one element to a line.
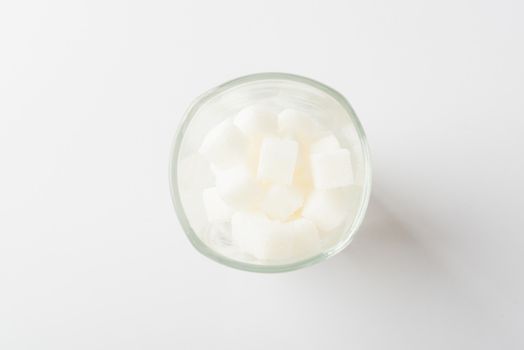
<point>91,253</point>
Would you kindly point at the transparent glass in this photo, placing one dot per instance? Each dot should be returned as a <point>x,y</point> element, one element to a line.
<point>273,87</point>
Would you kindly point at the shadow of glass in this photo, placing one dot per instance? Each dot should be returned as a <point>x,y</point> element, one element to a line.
<point>384,254</point>
<point>390,278</point>
<point>386,249</point>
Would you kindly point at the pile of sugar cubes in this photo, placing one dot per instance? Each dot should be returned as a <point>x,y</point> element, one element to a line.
<point>281,182</point>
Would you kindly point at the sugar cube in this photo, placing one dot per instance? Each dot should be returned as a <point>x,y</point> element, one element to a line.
<point>216,209</point>
<point>281,201</point>
<point>302,178</point>
<point>297,124</point>
<point>332,169</point>
<point>273,240</point>
<point>328,208</point>
<point>277,160</point>
<point>325,144</point>
<point>288,241</point>
<point>194,210</point>
<point>306,241</point>
<point>237,187</point>
<point>224,145</point>
<point>255,121</point>
<point>194,173</point>
<point>248,231</point>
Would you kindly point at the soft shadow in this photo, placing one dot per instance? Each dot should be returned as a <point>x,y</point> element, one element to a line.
<point>392,278</point>
<point>384,253</point>
<point>384,235</point>
<point>391,268</point>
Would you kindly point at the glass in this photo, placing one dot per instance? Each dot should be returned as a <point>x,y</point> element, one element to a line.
<point>270,87</point>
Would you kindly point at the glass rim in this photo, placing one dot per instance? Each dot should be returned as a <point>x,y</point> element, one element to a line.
<point>197,243</point>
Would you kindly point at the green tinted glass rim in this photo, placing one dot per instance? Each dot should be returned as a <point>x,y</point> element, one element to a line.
<point>173,174</point>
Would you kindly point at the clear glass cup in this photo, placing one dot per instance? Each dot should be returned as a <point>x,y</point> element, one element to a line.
<point>272,88</point>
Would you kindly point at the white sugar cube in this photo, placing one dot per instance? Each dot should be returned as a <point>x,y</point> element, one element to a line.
<point>252,154</point>
<point>298,124</point>
<point>273,240</point>
<point>194,173</point>
<point>302,178</point>
<point>328,208</point>
<point>281,201</point>
<point>194,210</point>
<point>237,187</point>
<point>216,209</point>
<point>248,231</point>
<point>255,121</point>
<point>350,133</point>
<point>219,237</point>
<point>289,241</point>
<point>224,145</point>
<point>332,169</point>
<point>325,144</point>
<point>306,241</point>
<point>277,160</point>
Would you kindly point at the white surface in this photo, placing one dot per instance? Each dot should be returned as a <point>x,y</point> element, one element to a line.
<point>92,256</point>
